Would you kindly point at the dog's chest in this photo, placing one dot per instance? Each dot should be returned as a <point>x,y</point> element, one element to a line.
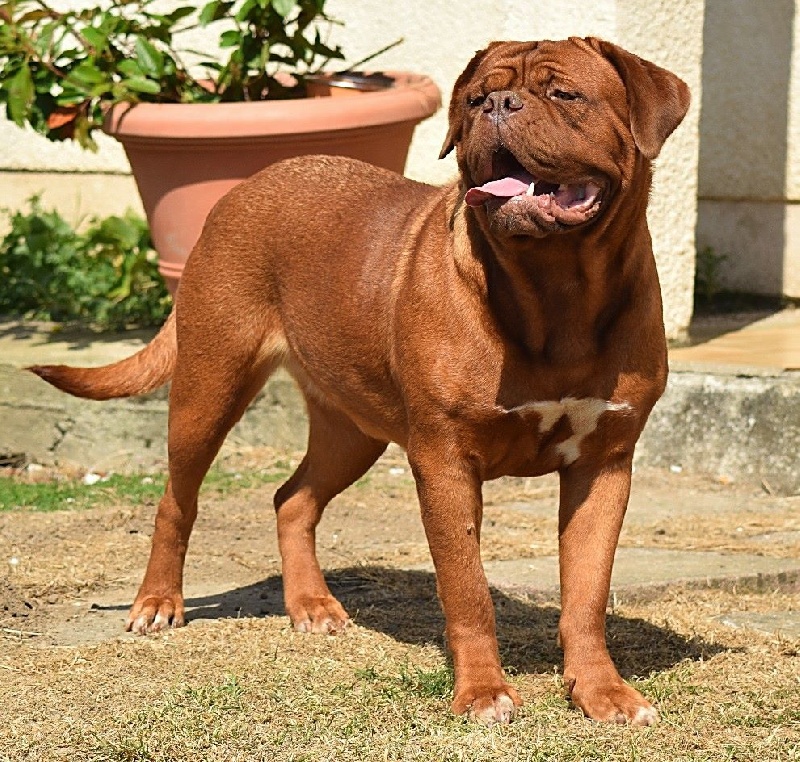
<point>546,435</point>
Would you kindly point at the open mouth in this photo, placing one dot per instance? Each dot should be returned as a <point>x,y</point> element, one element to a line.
<point>567,203</point>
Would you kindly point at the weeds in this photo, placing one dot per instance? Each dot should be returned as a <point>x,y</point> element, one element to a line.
<point>105,276</point>
<point>410,682</point>
<point>707,284</point>
<point>197,717</point>
<point>74,494</point>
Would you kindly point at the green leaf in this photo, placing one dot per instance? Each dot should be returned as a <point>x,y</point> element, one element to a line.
<point>244,12</point>
<point>180,13</point>
<point>142,85</point>
<point>20,95</point>
<point>130,68</point>
<point>86,74</point>
<point>283,7</point>
<point>83,135</point>
<point>207,13</point>
<point>151,60</point>
<point>327,52</point>
<point>44,40</point>
<point>96,38</point>
<point>230,38</point>
<point>34,15</point>
<point>123,231</point>
<point>214,11</point>
<point>70,98</point>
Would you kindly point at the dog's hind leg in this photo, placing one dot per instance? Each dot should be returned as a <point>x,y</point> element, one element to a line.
<point>210,392</point>
<point>338,454</point>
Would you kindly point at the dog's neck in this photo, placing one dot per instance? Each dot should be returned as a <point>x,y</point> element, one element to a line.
<point>553,296</point>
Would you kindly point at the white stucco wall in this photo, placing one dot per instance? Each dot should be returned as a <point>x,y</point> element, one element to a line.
<point>671,35</point>
<point>440,37</point>
<point>748,54</point>
<point>792,97</point>
<point>749,167</point>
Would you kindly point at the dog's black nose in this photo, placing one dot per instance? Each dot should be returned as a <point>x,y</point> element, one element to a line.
<point>502,102</point>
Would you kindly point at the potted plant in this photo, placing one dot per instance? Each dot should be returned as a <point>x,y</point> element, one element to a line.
<point>192,127</point>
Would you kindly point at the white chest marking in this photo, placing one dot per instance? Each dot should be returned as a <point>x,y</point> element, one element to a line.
<point>583,415</point>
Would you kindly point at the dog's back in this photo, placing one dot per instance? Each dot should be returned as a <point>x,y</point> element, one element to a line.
<point>281,244</point>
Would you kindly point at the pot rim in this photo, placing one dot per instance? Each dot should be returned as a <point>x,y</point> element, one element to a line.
<point>412,98</point>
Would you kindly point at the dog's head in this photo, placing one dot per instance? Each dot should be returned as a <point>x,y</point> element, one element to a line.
<point>548,133</point>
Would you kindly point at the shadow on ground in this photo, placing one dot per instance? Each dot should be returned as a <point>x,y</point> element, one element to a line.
<point>403,604</point>
<point>75,336</point>
<point>730,313</point>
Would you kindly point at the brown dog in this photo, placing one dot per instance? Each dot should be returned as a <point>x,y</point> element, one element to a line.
<point>507,324</point>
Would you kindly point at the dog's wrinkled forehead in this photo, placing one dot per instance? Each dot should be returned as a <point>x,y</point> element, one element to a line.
<point>505,65</point>
<point>532,65</point>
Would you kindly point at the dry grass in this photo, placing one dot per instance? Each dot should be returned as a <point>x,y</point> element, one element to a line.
<point>249,688</point>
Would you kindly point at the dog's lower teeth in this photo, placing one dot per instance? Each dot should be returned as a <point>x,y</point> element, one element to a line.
<point>531,190</point>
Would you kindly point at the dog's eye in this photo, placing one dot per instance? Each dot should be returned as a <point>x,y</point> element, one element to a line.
<point>475,100</point>
<point>564,95</point>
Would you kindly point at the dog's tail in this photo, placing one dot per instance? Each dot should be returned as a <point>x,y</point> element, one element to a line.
<point>143,372</point>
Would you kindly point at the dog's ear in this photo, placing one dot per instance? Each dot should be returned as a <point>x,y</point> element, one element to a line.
<point>458,105</point>
<point>657,99</point>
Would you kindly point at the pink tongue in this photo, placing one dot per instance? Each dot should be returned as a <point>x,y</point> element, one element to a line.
<point>503,188</point>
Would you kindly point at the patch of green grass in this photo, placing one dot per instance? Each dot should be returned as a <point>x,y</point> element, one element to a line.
<point>195,718</point>
<point>437,683</point>
<point>759,709</point>
<point>223,482</point>
<point>73,494</point>
<point>662,688</point>
<point>310,700</point>
<point>410,682</point>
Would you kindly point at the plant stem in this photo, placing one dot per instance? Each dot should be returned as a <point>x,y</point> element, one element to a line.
<point>377,53</point>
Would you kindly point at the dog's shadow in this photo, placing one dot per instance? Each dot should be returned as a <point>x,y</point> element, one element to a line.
<point>403,604</point>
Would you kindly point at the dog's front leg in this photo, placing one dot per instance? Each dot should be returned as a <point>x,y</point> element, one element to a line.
<point>450,499</point>
<point>592,507</point>
<point>159,602</point>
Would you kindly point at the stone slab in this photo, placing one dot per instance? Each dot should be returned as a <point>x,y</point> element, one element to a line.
<point>126,435</point>
<point>649,568</point>
<point>783,623</point>
<point>773,342</point>
<point>728,422</point>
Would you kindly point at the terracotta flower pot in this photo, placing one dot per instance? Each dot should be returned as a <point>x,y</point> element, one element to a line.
<point>184,157</point>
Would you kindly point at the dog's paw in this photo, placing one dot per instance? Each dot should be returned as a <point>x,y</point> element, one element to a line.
<point>488,705</point>
<point>318,614</point>
<point>613,702</point>
<point>154,613</point>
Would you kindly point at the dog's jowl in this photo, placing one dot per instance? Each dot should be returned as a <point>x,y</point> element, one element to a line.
<point>509,323</point>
